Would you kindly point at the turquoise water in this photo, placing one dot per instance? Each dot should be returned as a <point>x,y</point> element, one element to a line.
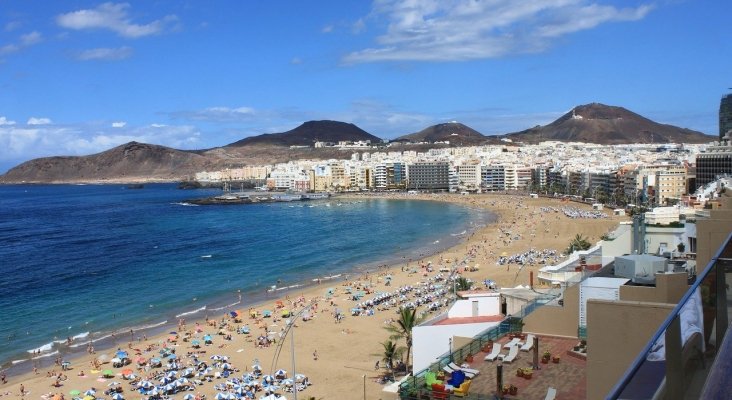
<point>88,261</point>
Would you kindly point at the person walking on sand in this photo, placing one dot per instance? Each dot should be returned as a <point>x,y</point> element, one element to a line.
<point>315,355</point>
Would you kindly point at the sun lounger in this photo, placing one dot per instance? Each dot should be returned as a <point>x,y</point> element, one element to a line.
<point>513,342</point>
<point>469,372</point>
<point>494,353</point>
<point>512,354</point>
<point>551,393</point>
<point>529,343</point>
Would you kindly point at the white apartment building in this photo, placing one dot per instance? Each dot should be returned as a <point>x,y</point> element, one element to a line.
<point>469,176</point>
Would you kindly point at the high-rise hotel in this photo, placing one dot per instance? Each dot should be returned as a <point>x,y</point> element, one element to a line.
<point>717,160</point>
<point>725,116</point>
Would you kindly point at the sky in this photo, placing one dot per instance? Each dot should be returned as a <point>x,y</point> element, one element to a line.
<point>81,77</point>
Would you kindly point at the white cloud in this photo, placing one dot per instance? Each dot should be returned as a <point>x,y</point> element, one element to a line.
<point>30,39</point>
<point>4,121</point>
<point>38,121</point>
<point>26,40</point>
<point>296,61</point>
<point>432,30</point>
<point>9,48</point>
<point>327,29</point>
<point>217,114</point>
<point>120,124</point>
<point>358,26</point>
<point>113,17</point>
<point>12,25</point>
<point>105,54</point>
<point>21,143</point>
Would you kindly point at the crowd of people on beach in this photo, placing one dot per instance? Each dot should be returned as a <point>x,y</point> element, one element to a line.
<point>530,257</point>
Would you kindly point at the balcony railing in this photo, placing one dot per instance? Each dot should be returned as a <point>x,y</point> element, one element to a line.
<point>676,362</point>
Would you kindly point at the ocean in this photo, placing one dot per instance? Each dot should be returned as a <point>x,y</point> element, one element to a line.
<point>89,261</point>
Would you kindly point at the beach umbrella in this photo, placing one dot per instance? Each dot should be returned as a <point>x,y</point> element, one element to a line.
<point>146,384</point>
<point>89,397</point>
<point>107,372</point>
<point>225,366</point>
<point>122,354</point>
<point>90,392</point>
<point>207,338</point>
<point>113,383</point>
<point>172,357</point>
<point>195,342</point>
<point>281,372</point>
<point>288,382</point>
<point>189,397</point>
<point>74,393</point>
<point>118,396</point>
<point>127,371</point>
<point>222,396</point>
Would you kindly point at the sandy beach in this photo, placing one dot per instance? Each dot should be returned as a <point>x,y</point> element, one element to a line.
<point>337,356</point>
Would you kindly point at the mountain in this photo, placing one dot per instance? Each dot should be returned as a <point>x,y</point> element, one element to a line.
<point>310,132</point>
<point>129,162</point>
<point>454,132</point>
<point>602,124</point>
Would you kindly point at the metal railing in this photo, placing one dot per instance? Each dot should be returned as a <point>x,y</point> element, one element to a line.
<point>415,387</point>
<point>678,357</point>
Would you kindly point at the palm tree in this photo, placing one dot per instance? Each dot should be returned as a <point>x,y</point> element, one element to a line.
<point>391,351</point>
<point>462,284</point>
<point>578,243</point>
<point>402,328</point>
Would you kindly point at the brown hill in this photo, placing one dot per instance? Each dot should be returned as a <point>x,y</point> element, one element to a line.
<point>129,162</point>
<point>310,132</point>
<point>602,124</point>
<point>453,132</point>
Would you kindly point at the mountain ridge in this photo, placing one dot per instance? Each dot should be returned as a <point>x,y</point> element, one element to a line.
<point>603,124</point>
<point>591,123</point>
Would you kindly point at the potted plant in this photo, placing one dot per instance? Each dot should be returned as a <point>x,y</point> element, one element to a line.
<point>512,390</point>
<point>506,388</point>
<point>555,359</point>
<point>545,358</point>
<point>528,373</point>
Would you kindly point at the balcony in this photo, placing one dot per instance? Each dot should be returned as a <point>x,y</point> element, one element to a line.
<point>690,355</point>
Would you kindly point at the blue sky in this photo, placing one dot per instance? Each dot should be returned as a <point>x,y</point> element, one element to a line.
<point>79,77</point>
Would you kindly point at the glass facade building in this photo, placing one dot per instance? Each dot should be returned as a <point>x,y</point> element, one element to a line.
<point>725,115</point>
